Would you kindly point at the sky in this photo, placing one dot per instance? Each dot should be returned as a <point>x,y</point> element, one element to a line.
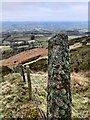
<point>44,11</point>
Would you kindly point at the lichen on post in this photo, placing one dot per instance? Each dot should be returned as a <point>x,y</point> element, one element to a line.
<point>59,94</point>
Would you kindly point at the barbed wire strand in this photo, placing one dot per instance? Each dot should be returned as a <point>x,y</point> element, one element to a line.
<point>41,113</point>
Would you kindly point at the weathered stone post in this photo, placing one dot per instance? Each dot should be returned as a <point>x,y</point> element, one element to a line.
<point>59,95</point>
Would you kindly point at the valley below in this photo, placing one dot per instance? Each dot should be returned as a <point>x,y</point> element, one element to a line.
<point>32,47</point>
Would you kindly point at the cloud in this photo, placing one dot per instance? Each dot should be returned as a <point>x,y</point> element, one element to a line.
<point>48,11</point>
<point>45,0</point>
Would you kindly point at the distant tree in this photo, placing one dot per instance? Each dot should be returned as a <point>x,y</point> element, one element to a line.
<point>32,37</point>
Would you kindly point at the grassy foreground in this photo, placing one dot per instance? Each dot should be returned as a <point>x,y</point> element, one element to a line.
<point>15,100</point>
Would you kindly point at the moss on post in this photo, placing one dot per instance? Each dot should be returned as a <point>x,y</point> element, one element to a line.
<point>29,82</point>
<point>59,94</point>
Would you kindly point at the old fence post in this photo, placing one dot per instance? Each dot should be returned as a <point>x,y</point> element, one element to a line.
<point>59,94</point>
<point>22,72</point>
<point>29,82</point>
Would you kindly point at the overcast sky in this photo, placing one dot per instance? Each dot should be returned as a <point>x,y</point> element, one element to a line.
<point>45,11</point>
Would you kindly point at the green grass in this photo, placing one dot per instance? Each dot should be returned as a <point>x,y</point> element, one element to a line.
<point>22,38</point>
<point>15,94</point>
<point>14,98</point>
<point>42,38</point>
<point>5,48</point>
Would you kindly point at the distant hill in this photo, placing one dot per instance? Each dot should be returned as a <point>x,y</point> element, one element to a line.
<point>79,56</point>
<point>79,53</point>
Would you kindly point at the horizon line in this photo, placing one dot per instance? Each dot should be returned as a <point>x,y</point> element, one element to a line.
<point>47,21</point>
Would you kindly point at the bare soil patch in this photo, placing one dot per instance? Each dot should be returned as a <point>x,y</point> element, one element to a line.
<point>24,56</point>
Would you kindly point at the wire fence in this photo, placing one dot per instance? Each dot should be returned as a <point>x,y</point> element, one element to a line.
<point>43,116</point>
<point>41,113</point>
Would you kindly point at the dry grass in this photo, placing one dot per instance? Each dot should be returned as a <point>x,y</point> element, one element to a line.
<point>76,45</point>
<point>79,80</point>
<point>80,93</point>
<point>15,94</point>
